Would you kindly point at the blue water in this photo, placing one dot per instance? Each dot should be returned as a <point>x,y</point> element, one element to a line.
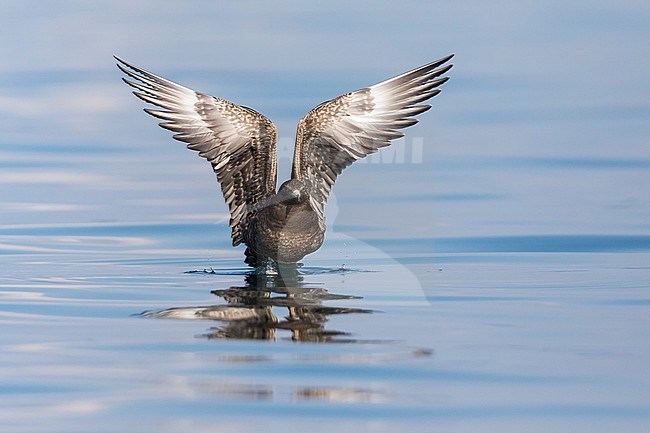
<point>489,273</point>
<point>159,327</point>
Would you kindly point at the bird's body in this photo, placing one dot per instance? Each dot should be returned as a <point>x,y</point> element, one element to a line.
<point>240,143</point>
<point>283,229</point>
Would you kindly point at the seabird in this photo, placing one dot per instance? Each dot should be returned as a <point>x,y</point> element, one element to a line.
<point>283,227</point>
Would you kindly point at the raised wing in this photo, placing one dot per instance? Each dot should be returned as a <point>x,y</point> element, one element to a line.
<point>239,142</point>
<point>338,132</point>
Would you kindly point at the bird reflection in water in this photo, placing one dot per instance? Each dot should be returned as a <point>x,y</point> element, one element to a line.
<point>250,311</point>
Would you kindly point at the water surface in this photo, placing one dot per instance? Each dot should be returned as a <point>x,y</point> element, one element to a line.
<point>115,327</point>
<point>488,273</point>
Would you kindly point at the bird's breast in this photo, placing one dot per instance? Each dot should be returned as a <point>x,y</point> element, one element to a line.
<point>287,233</point>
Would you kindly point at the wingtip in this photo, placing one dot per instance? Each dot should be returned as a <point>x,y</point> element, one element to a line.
<point>121,64</point>
<point>446,59</point>
<point>446,66</point>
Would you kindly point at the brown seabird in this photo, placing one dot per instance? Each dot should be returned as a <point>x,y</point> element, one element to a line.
<point>240,143</point>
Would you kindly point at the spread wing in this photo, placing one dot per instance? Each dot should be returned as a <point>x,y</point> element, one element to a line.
<point>338,132</point>
<point>239,142</point>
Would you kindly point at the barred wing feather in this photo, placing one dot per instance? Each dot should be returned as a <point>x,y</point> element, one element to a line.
<point>347,128</point>
<point>239,142</point>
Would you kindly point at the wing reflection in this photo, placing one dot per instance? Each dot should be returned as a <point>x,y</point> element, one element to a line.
<point>253,310</point>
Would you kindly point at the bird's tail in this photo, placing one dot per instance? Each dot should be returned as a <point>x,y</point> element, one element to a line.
<point>251,257</point>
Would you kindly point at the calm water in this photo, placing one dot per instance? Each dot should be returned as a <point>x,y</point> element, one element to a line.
<point>110,327</point>
<point>489,274</point>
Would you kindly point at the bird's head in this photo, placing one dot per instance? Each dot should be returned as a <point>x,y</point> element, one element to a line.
<point>293,191</point>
